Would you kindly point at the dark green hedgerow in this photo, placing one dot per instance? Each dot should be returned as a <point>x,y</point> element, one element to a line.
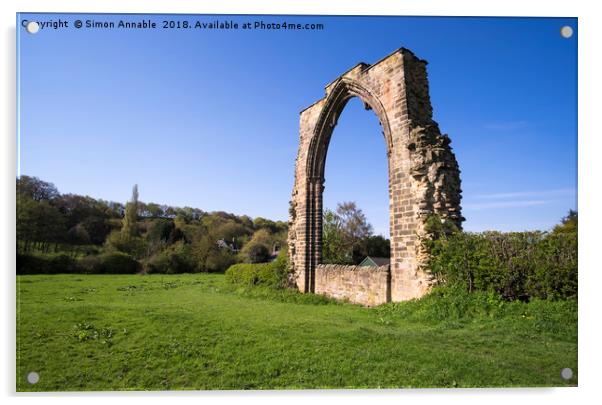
<point>110,263</point>
<point>61,263</point>
<point>54,263</point>
<point>516,265</point>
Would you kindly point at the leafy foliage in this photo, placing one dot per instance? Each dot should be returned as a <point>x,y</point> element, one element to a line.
<point>335,246</point>
<point>110,263</point>
<point>347,236</point>
<point>62,263</point>
<point>55,263</point>
<point>374,246</point>
<point>568,223</point>
<point>135,246</point>
<point>259,248</point>
<point>176,259</point>
<point>453,305</point>
<point>162,239</point>
<point>130,219</point>
<point>39,222</point>
<point>256,252</point>
<point>516,265</point>
<point>271,274</point>
<point>36,189</point>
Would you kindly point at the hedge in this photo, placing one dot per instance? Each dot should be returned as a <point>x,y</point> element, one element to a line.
<point>110,263</point>
<point>169,262</point>
<point>517,265</point>
<point>61,263</point>
<point>271,274</point>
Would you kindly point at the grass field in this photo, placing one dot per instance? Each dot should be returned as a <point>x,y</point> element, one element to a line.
<point>83,332</point>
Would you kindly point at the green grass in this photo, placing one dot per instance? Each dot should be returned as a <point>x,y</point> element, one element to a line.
<point>102,332</point>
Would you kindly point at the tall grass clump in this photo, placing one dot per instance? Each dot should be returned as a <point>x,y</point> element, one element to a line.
<point>453,305</point>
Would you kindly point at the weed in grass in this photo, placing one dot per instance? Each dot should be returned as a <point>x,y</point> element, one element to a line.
<point>85,331</point>
<point>130,288</point>
<point>41,335</point>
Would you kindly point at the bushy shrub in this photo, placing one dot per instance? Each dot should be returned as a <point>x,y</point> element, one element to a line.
<point>516,265</point>
<point>110,263</point>
<point>271,274</point>
<point>59,263</point>
<point>217,261</point>
<point>244,273</point>
<point>555,270</point>
<point>256,253</point>
<point>131,245</point>
<point>173,261</point>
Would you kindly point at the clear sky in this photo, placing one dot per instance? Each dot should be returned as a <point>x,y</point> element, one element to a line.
<point>209,118</point>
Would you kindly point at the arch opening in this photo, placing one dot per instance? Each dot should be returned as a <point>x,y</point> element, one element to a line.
<point>342,91</point>
<point>356,176</point>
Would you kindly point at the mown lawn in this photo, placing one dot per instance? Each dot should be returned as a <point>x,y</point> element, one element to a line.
<point>100,332</point>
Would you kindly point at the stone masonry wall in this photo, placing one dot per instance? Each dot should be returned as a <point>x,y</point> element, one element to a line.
<point>360,285</point>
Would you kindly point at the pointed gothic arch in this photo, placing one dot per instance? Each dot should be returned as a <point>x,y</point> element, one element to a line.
<point>423,174</point>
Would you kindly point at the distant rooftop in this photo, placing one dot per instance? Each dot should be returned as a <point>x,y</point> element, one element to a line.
<point>375,261</point>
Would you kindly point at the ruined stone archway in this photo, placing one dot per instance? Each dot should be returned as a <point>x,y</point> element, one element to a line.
<point>423,179</point>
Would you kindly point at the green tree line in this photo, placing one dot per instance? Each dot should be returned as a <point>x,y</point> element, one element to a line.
<point>160,238</point>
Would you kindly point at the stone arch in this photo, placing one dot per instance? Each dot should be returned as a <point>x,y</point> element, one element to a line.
<point>423,179</point>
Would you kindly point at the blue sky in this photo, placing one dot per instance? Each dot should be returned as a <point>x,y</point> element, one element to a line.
<point>209,118</point>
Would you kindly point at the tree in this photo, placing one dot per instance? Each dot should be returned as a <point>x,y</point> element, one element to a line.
<point>154,210</point>
<point>39,222</point>
<point>36,189</point>
<point>246,221</point>
<point>343,231</point>
<point>252,252</point>
<point>335,247</point>
<point>94,215</point>
<point>78,235</point>
<point>26,226</point>
<point>98,228</point>
<point>568,224</point>
<point>273,227</point>
<point>160,230</point>
<point>374,246</point>
<point>128,239</point>
<point>256,253</point>
<point>353,221</point>
<point>134,245</point>
<point>209,257</point>
<point>130,226</point>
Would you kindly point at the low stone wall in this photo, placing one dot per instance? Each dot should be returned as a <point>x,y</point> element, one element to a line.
<point>361,285</point>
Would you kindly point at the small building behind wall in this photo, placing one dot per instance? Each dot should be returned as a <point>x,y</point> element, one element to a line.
<point>375,262</point>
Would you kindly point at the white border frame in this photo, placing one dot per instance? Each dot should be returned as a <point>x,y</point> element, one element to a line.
<point>590,279</point>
